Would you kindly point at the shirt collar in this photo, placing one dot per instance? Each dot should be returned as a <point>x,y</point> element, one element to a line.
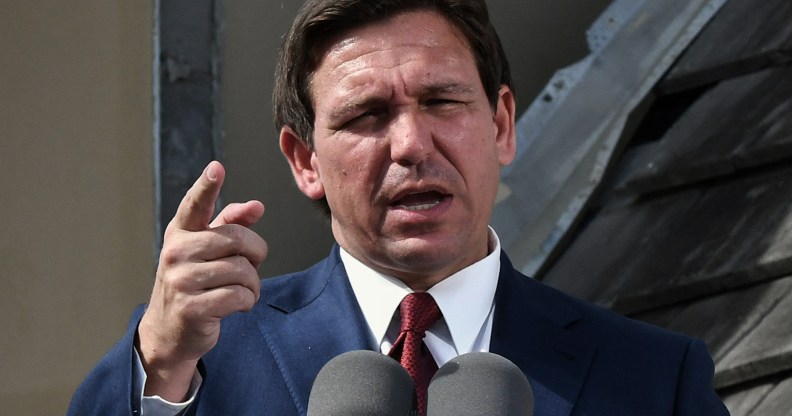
<point>465,298</point>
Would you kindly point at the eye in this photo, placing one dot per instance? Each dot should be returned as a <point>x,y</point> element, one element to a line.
<point>366,118</point>
<point>440,101</point>
<point>445,102</point>
<point>374,112</point>
<point>442,106</point>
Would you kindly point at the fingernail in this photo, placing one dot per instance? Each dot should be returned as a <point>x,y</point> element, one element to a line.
<point>210,172</point>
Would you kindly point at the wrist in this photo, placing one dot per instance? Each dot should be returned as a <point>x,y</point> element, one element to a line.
<point>167,376</point>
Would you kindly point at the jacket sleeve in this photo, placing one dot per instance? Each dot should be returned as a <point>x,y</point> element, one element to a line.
<point>695,392</point>
<point>107,390</point>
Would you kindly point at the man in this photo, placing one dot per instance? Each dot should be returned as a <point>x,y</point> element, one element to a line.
<point>397,115</point>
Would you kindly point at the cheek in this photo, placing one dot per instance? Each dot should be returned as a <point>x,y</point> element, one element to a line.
<point>351,170</point>
<point>478,161</point>
<point>472,146</point>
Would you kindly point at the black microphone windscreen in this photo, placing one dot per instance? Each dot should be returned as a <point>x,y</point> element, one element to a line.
<point>480,383</point>
<point>359,383</point>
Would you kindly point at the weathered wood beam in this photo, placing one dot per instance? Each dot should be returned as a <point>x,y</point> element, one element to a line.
<point>568,136</point>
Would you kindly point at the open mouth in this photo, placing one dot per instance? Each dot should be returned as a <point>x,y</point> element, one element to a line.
<point>420,201</point>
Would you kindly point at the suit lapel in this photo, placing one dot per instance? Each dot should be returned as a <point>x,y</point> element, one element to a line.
<point>312,317</point>
<point>532,327</point>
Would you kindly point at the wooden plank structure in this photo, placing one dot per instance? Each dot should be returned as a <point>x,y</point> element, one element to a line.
<point>691,228</point>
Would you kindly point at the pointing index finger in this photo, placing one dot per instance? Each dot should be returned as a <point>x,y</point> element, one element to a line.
<point>197,207</point>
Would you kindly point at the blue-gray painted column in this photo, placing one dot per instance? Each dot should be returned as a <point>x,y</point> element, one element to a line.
<point>187,115</point>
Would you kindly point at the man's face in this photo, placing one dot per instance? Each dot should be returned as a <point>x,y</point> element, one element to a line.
<point>407,148</point>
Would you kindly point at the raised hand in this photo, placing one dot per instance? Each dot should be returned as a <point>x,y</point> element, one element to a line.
<point>207,271</point>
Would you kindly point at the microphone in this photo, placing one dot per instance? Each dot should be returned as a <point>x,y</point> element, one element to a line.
<point>480,383</point>
<point>362,383</point>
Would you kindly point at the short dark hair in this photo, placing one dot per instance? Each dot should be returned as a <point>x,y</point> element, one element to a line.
<point>319,21</point>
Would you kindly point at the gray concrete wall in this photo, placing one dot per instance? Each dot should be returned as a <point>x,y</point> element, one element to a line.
<point>295,231</point>
<point>75,190</point>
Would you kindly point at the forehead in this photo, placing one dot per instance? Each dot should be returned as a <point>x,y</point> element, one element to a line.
<point>422,43</point>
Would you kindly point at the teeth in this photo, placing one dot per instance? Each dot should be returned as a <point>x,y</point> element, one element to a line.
<point>420,207</point>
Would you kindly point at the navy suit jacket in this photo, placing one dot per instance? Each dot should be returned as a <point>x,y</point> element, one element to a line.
<point>579,359</point>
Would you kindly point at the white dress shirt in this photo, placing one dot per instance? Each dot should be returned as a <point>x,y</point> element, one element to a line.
<point>466,300</point>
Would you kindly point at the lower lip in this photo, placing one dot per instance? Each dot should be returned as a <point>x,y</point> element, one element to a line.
<point>423,214</point>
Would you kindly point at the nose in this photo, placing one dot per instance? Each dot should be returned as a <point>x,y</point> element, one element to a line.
<point>410,139</point>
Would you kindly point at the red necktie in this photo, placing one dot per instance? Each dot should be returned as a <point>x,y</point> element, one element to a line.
<point>418,312</point>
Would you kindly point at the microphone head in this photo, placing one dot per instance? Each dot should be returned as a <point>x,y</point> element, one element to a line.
<point>359,383</point>
<point>480,383</point>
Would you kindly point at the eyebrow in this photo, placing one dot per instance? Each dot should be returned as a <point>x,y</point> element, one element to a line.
<point>359,104</point>
<point>355,106</point>
<point>447,88</point>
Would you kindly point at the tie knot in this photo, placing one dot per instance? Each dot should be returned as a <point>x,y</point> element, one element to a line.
<point>418,312</point>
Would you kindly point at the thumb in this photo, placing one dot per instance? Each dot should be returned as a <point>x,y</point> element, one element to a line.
<point>196,208</point>
<point>245,214</point>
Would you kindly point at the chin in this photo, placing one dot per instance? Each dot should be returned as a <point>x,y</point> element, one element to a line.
<point>422,255</point>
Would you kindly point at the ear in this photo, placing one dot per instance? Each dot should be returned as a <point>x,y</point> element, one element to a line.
<point>504,123</point>
<point>303,163</point>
